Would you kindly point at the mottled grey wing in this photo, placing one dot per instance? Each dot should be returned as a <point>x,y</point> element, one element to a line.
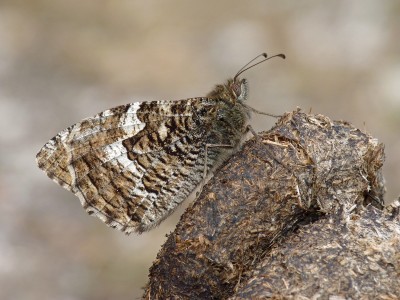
<point>133,164</point>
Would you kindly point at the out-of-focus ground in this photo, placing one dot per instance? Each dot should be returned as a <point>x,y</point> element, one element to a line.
<point>62,61</point>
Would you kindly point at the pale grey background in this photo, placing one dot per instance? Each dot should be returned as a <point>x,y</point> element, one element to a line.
<point>61,61</point>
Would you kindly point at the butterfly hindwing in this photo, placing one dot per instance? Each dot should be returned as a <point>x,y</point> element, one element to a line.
<point>133,164</point>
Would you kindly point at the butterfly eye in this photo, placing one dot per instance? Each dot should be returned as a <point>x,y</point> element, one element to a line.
<point>237,89</point>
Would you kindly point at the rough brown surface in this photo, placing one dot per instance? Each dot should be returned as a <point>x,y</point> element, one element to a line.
<point>306,170</point>
<point>348,256</point>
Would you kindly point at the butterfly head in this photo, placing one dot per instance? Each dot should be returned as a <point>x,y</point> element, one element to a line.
<point>236,89</point>
<point>233,91</point>
<point>239,88</point>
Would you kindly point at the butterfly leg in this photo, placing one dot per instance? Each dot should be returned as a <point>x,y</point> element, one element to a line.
<point>206,156</point>
<point>205,169</point>
<point>249,128</point>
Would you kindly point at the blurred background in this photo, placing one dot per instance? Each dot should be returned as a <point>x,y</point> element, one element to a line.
<point>62,61</point>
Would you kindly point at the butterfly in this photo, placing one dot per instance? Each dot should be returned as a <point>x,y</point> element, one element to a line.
<point>133,164</point>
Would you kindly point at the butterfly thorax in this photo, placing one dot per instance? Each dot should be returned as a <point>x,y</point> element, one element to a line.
<point>231,114</point>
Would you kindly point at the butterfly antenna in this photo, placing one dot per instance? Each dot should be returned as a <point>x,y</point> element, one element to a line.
<point>249,65</point>
<point>265,55</point>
